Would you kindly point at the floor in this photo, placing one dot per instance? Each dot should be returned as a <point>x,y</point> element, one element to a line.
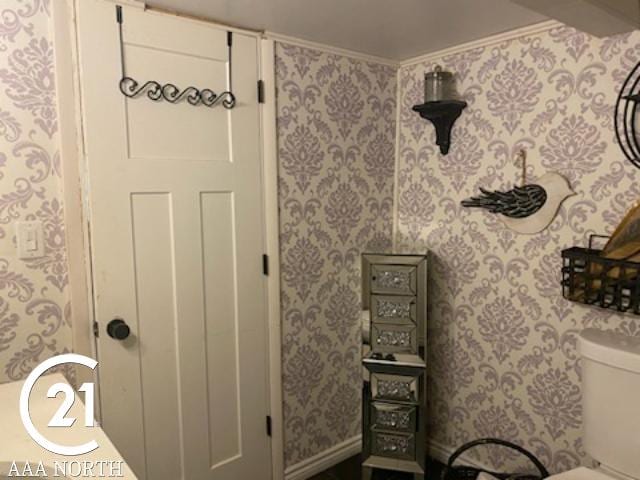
<point>350,470</point>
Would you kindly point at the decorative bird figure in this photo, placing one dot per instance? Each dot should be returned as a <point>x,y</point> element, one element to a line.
<point>529,208</point>
<point>520,202</point>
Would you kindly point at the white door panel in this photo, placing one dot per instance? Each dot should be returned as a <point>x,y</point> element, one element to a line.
<point>177,236</point>
<point>179,131</point>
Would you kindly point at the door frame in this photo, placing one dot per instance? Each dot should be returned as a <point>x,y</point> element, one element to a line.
<point>76,218</point>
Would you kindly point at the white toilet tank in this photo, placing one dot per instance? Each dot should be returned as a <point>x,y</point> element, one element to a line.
<point>611,400</point>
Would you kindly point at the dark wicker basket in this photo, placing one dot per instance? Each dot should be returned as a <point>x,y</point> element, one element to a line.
<point>589,278</point>
<point>452,472</point>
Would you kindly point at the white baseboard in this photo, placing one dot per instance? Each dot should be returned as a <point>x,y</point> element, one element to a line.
<point>334,455</point>
<point>324,460</point>
<point>441,453</point>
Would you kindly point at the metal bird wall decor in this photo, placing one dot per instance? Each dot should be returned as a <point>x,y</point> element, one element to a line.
<point>529,208</point>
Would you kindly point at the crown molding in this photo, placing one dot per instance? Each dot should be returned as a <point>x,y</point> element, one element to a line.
<point>329,49</point>
<point>484,42</point>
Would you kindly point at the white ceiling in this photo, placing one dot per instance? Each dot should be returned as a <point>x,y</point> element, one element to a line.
<point>393,29</point>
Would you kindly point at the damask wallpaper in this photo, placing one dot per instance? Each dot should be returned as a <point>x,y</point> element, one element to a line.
<point>503,359</point>
<point>336,134</point>
<point>34,314</point>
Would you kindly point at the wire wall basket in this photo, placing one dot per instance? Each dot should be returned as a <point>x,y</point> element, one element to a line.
<point>589,278</point>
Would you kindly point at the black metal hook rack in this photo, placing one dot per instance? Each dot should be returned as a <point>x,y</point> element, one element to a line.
<point>169,92</point>
<point>590,278</point>
<point>157,91</point>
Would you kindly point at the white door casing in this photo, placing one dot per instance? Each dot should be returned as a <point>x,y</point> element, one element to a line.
<point>177,235</point>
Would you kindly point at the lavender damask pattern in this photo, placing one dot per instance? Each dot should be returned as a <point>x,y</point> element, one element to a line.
<point>30,84</point>
<point>34,310</point>
<point>514,92</point>
<point>574,148</point>
<point>336,127</point>
<point>503,359</point>
<point>376,159</point>
<point>302,157</point>
<point>502,326</point>
<point>557,400</point>
<point>344,103</point>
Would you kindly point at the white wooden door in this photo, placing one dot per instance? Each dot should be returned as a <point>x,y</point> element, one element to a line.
<point>177,223</point>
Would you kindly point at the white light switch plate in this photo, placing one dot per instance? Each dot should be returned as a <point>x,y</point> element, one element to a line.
<point>30,240</point>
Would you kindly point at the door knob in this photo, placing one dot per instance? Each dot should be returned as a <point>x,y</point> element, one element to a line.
<point>118,329</point>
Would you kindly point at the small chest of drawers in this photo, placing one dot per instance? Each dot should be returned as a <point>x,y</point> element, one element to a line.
<point>394,299</point>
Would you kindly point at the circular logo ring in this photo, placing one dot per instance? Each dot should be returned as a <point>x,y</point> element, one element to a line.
<point>24,404</point>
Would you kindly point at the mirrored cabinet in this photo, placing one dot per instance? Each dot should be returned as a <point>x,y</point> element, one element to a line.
<point>394,333</point>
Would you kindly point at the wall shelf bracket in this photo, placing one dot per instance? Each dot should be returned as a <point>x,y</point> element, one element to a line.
<point>443,114</point>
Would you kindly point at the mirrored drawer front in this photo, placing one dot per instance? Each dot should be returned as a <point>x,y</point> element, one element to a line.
<point>394,387</point>
<point>394,339</point>
<point>393,279</point>
<point>387,416</point>
<point>393,445</point>
<point>392,309</point>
